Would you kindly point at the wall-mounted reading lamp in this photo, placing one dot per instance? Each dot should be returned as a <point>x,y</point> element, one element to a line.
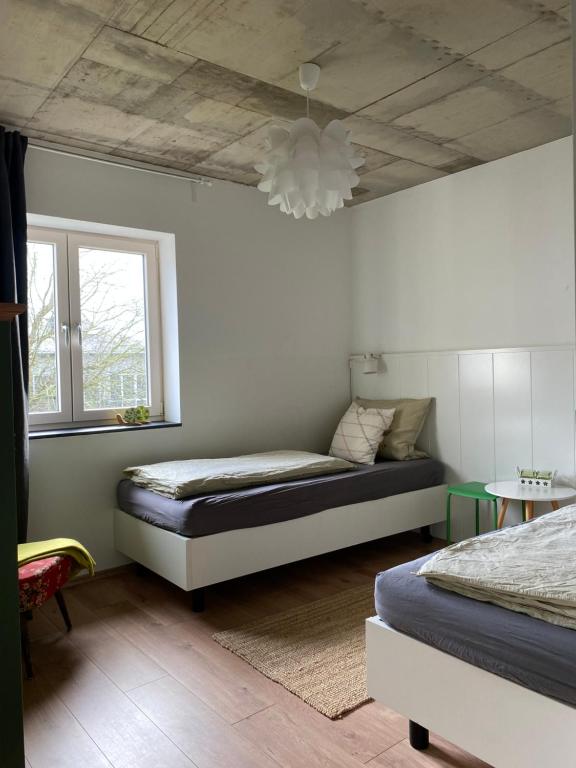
<point>370,361</point>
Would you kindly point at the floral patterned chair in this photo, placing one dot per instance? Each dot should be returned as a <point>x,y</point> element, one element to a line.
<point>38,582</point>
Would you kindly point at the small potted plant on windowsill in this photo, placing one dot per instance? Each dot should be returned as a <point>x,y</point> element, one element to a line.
<point>134,416</point>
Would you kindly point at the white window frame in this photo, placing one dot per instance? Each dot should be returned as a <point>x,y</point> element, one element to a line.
<point>67,282</point>
<point>57,239</point>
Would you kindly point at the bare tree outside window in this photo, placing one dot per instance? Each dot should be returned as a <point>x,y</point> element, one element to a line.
<point>113,323</point>
<point>43,360</point>
<point>112,300</point>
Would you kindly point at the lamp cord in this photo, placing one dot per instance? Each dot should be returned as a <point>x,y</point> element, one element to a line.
<point>307,103</point>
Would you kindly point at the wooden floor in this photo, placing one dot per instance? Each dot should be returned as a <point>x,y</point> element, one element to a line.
<point>139,683</point>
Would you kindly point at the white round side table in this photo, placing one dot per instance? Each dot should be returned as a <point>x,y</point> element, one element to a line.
<point>509,490</point>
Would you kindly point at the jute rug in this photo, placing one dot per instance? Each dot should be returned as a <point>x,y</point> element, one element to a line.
<point>316,651</point>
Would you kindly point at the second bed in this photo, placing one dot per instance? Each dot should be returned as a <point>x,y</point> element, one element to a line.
<point>209,538</point>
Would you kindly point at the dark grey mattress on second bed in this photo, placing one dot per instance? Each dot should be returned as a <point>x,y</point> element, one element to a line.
<point>264,504</point>
<point>531,652</point>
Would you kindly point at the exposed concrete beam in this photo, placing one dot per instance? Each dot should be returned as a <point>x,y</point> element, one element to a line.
<point>130,53</point>
<point>427,88</point>
<point>530,129</point>
<point>483,104</point>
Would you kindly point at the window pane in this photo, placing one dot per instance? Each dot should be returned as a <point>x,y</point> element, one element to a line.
<point>43,335</point>
<point>113,320</point>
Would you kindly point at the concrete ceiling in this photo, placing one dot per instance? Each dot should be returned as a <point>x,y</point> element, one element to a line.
<point>427,87</point>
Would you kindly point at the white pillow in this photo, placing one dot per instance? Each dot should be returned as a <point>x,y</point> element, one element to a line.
<point>360,433</point>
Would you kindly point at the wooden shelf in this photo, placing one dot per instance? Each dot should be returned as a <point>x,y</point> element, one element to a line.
<point>10,311</point>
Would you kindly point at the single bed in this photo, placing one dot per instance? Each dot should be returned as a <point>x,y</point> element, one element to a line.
<point>539,655</point>
<point>209,538</point>
<point>207,514</point>
<point>498,683</point>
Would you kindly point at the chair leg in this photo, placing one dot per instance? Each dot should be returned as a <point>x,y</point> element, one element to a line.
<point>495,507</point>
<point>25,642</point>
<point>477,517</point>
<point>63,609</point>
<point>448,521</point>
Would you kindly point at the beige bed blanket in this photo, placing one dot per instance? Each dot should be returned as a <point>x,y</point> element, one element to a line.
<point>178,479</point>
<point>529,568</point>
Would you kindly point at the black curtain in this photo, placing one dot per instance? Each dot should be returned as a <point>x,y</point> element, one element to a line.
<point>14,288</point>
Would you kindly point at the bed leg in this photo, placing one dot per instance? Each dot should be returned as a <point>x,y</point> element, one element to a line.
<point>425,534</point>
<point>419,736</point>
<point>198,600</point>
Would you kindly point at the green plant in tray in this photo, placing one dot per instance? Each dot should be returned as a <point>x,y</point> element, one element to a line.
<point>138,415</point>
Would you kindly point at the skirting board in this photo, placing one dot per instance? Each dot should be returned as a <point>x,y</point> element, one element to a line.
<point>499,721</point>
<point>194,563</point>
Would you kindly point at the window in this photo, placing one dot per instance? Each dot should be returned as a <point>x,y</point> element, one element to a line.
<point>94,327</point>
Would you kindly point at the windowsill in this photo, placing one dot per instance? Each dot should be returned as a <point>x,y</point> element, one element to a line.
<point>38,434</point>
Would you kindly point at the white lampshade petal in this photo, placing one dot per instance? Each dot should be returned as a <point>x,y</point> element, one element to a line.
<point>265,185</point>
<point>299,210</point>
<point>309,171</point>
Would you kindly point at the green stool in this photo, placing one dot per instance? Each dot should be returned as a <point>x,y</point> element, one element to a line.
<point>475,491</point>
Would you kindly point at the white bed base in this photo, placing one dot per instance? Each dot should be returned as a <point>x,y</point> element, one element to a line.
<point>199,562</point>
<point>500,722</point>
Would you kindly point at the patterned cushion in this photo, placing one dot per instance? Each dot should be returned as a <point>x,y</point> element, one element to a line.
<point>360,432</point>
<point>39,580</point>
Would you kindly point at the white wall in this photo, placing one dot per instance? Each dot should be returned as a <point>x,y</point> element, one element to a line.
<point>483,258</point>
<point>269,308</point>
<point>492,411</point>
<point>264,318</point>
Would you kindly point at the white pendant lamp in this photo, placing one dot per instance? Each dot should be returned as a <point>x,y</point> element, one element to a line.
<point>308,170</point>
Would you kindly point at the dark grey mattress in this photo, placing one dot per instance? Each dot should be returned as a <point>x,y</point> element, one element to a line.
<point>250,507</point>
<point>528,651</point>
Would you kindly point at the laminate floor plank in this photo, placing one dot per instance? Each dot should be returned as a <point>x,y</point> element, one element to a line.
<point>290,744</point>
<point>41,626</point>
<point>124,664</point>
<point>53,736</point>
<point>139,682</point>
<point>215,676</point>
<point>440,754</point>
<point>116,725</point>
<point>363,733</point>
<point>164,602</point>
<point>199,732</point>
<point>102,591</point>
<point>222,614</point>
<point>261,594</point>
<point>227,666</point>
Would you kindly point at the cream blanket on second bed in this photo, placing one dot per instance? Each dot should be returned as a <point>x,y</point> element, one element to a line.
<point>529,568</point>
<point>178,479</point>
